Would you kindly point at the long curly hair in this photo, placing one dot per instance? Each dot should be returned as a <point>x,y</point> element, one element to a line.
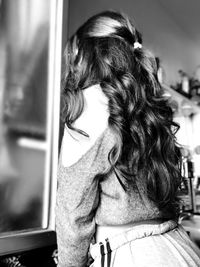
<point>107,50</point>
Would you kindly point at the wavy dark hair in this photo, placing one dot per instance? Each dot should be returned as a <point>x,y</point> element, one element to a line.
<point>107,50</point>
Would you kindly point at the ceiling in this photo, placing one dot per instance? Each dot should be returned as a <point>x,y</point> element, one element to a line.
<point>186,14</point>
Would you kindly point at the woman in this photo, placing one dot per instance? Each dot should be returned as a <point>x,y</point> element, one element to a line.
<point>119,169</point>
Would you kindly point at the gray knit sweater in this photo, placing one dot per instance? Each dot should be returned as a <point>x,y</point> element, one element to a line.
<point>84,201</point>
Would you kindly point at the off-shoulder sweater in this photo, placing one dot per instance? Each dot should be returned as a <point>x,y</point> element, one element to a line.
<point>85,200</point>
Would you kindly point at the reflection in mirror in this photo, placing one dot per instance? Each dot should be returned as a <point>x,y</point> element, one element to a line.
<point>24,34</point>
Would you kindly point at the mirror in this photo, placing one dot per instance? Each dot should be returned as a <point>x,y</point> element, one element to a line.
<point>24,120</point>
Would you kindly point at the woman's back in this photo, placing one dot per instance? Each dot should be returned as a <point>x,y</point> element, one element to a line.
<point>126,177</point>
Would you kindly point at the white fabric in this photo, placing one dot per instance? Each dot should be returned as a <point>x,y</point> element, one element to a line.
<point>109,231</point>
<point>161,245</point>
<point>93,121</point>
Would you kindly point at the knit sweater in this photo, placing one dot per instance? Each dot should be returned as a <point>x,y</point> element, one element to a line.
<point>85,200</point>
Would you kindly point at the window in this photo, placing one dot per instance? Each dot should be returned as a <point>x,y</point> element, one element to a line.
<point>30,67</point>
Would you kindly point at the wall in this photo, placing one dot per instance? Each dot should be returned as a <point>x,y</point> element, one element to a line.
<point>162,33</point>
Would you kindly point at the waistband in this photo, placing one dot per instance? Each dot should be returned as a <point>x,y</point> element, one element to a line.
<point>106,246</point>
<point>104,231</point>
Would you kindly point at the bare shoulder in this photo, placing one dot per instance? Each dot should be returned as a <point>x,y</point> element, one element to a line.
<point>93,121</point>
<point>94,118</point>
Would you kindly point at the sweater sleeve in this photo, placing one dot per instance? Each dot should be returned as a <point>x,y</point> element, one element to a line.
<point>77,200</point>
<point>77,193</point>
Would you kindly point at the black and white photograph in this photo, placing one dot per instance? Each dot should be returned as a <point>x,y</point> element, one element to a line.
<point>99,133</point>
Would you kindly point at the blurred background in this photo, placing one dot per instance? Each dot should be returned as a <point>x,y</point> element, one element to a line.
<point>24,42</point>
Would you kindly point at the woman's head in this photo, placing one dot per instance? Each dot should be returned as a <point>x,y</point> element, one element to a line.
<point>101,48</point>
<point>107,50</point>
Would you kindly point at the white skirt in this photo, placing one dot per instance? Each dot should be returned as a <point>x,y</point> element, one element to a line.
<point>158,245</point>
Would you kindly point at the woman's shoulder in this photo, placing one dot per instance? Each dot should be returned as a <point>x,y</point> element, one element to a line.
<point>93,121</point>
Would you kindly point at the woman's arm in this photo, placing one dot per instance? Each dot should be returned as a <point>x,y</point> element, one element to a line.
<point>75,224</point>
<point>78,194</point>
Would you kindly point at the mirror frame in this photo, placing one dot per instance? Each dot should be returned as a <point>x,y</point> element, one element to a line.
<point>15,242</point>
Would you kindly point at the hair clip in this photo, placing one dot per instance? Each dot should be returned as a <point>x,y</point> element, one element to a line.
<point>137,45</point>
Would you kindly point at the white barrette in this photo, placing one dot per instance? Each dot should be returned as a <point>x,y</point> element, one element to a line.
<point>137,45</point>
